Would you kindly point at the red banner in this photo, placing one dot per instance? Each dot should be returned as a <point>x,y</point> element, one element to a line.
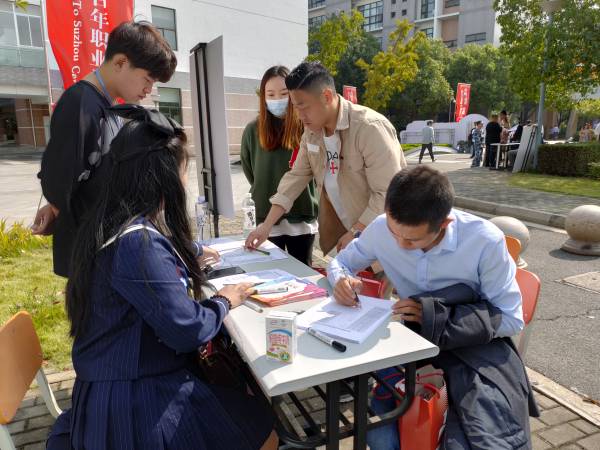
<point>350,94</point>
<point>78,31</point>
<point>463,95</point>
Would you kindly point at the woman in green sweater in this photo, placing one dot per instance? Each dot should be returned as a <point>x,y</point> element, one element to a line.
<point>269,146</point>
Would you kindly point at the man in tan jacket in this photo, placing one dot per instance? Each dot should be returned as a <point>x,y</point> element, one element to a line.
<point>351,151</point>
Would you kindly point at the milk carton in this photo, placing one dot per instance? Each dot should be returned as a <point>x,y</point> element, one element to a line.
<point>281,336</point>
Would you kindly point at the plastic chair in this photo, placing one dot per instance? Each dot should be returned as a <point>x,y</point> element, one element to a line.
<point>514,247</point>
<point>21,356</point>
<point>529,285</point>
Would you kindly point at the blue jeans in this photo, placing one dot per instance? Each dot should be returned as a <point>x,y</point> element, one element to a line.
<point>477,157</point>
<point>387,436</point>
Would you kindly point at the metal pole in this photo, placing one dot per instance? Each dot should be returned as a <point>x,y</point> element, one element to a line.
<point>540,113</point>
<point>43,3</point>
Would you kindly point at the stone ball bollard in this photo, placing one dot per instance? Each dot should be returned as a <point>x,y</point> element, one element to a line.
<point>517,229</point>
<point>583,227</point>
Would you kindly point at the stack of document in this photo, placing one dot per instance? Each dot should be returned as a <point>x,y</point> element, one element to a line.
<point>293,289</point>
<point>233,253</point>
<point>354,324</point>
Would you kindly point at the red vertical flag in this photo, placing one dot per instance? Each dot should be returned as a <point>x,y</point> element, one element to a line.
<point>78,31</point>
<point>349,94</point>
<point>463,95</point>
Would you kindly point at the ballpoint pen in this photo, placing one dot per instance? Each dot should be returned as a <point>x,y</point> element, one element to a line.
<point>264,252</point>
<point>348,276</point>
<point>252,306</point>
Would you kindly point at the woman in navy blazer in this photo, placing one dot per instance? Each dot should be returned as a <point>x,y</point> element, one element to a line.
<point>138,317</point>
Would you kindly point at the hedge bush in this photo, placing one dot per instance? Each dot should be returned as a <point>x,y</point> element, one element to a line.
<point>594,170</point>
<point>568,159</point>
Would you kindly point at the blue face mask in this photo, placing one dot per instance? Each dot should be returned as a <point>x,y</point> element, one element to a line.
<point>277,107</point>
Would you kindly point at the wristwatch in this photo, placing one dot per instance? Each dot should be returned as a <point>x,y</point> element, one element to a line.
<point>355,232</point>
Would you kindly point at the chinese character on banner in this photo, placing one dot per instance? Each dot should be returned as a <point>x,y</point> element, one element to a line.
<point>349,93</point>
<point>99,38</point>
<point>79,30</point>
<point>97,58</point>
<point>101,18</point>
<point>463,94</point>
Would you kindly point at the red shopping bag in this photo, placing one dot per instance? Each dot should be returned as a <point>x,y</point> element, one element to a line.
<point>421,427</point>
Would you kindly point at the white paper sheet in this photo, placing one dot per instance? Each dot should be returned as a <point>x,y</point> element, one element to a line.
<point>262,276</point>
<point>233,253</point>
<point>344,322</point>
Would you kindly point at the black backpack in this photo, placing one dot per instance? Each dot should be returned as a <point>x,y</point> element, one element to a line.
<point>470,137</point>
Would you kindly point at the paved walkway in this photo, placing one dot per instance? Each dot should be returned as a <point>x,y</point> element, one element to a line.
<point>557,428</point>
<point>492,186</point>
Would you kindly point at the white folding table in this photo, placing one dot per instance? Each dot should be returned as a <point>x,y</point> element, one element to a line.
<point>316,363</point>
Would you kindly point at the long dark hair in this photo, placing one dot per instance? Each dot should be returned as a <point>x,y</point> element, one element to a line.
<point>144,181</point>
<point>275,132</point>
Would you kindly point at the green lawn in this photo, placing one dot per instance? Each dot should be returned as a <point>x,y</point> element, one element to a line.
<point>411,147</point>
<point>551,183</point>
<point>29,284</point>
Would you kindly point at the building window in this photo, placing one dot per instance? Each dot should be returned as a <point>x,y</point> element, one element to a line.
<point>312,4</point>
<point>164,20</point>
<point>477,37</point>
<point>393,2</point>
<point>169,103</point>
<point>428,32</point>
<point>427,8</point>
<point>451,43</point>
<point>373,14</point>
<point>30,30</point>
<point>21,41</point>
<point>380,40</point>
<point>404,12</point>
<point>393,14</point>
<point>316,22</point>
<point>451,3</point>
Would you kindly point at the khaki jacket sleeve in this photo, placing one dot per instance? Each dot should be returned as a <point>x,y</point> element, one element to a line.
<point>294,181</point>
<point>383,158</point>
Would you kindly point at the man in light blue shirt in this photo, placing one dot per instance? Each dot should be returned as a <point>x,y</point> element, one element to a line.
<point>424,245</point>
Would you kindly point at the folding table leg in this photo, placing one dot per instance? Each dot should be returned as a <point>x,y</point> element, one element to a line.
<point>333,415</point>
<point>361,416</point>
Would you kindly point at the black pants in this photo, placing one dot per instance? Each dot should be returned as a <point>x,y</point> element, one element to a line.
<point>428,147</point>
<point>490,156</point>
<point>300,247</point>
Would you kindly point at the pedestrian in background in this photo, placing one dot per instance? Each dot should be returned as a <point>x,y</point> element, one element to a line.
<point>477,140</point>
<point>492,136</point>
<point>427,140</point>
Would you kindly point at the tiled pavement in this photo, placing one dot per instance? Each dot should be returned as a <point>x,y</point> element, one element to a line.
<point>557,428</point>
<point>492,186</point>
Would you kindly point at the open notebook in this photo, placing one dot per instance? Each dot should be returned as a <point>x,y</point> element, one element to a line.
<point>345,322</point>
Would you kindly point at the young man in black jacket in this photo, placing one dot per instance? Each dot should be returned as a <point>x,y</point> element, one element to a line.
<point>76,160</point>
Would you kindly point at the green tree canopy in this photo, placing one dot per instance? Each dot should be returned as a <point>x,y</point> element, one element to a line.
<point>365,48</point>
<point>589,107</point>
<point>572,53</point>
<point>429,93</point>
<point>389,71</point>
<point>331,40</point>
<point>487,70</point>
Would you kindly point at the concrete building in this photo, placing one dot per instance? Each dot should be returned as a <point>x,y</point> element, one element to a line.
<point>256,35</point>
<point>456,22</point>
